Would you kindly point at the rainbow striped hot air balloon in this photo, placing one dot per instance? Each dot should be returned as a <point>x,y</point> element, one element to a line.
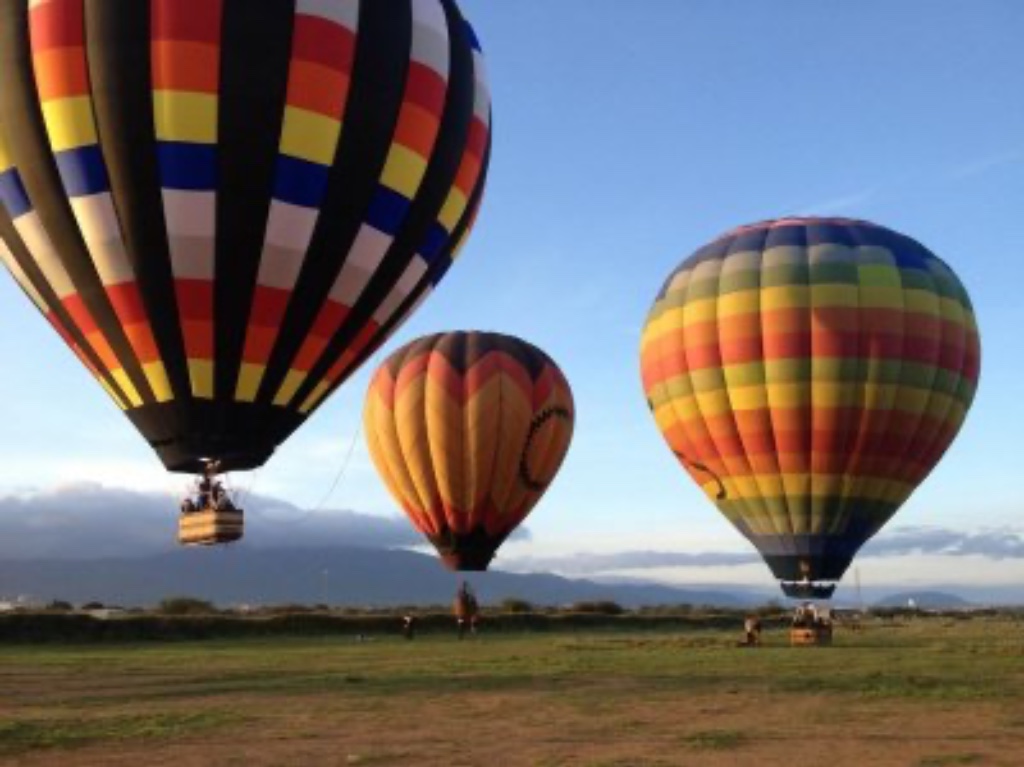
<point>467,430</point>
<point>225,207</point>
<point>809,374</point>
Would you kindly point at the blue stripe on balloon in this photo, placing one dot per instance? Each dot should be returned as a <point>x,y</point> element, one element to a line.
<point>906,252</point>
<point>439,270</point>
<point>83,171</point>
<point>187,166</point>
<point>387,211</point>
<point>473,39</point>
<point>12,194</point>
<point>301,183</point>
<point>433,246</point>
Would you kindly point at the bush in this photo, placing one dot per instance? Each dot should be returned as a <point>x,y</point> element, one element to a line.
<point>598,607</point>
<point>516,605</point>
<point>185,606</point>
<point>93,606</point>
<point>291,608</point>
<point>59,605</point>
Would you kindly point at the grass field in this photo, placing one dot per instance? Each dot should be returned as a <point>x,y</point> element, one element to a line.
<point>919,692</point>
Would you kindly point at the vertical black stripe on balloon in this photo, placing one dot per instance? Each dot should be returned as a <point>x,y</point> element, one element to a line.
<point>375,97</point>
<point>255,51</point>
<point>443,165</point>
<point>35,276</point>
<point>119,58</point>
<point>445,261</point>
<point>30,148</point>
<point>433,275</point>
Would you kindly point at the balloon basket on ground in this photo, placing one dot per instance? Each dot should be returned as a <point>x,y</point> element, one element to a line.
<point>810,636</point>
<point>210,527</point>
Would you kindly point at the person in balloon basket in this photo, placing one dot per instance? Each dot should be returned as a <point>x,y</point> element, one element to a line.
<point>205,494</point>
<point>199,498</point>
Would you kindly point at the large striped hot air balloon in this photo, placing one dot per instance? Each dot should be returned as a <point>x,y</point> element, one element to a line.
<point>224,207</point>
<point>467,430</point>
<point>809,374</point>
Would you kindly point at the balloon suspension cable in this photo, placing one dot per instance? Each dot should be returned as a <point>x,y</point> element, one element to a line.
<point>697,466</point>
<point>341,472</point>
<point>245,494</point>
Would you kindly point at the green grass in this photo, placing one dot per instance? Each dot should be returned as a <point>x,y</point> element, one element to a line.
<point>717,740</point>
<point>905,666</point>
<point>949,760</point>
<point>26,735</point>
<point>692,695</point>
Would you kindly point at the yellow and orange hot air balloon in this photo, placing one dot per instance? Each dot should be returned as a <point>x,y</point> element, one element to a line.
<point>809,374</point>
<point>467,431</point>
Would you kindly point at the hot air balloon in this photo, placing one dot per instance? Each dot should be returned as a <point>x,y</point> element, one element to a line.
<point>224,208</point>
<point>809,373</point>
<point>467,430</point>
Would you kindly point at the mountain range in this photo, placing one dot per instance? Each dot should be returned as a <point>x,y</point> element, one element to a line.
<point>339,576</point>
<point>381,577</point>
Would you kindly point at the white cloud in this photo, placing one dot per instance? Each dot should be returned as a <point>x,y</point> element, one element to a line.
<point>995,556</point>
<point>984,165</point>
<point>90,520</point>
<point>840,204</point>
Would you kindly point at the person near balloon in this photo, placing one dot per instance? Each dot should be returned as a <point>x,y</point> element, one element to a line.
<point>466,609</point>
<point>409,626</point>
<point>752,631</point>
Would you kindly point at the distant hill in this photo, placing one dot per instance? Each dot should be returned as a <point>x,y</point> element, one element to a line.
<point>925,600</point>
<point>342,576</point>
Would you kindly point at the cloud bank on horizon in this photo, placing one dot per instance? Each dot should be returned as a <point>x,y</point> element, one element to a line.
<point>900,542</point>
<point>92,521</point>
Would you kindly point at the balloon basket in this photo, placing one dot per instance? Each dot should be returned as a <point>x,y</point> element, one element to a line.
<point>210,527</point>
<point>810,636</point>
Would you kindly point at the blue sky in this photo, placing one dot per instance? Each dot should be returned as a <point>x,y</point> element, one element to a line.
<point>627,134</point>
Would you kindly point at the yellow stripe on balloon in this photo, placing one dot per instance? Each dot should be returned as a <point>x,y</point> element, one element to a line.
<point>185,116</point>
<point>69,123</point>
<point>309,136</point>
<point>404,170</point>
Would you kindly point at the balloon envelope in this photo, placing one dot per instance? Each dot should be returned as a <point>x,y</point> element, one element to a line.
<point>809,374</point>
<point>467,430</point>
<point>225,207</point>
